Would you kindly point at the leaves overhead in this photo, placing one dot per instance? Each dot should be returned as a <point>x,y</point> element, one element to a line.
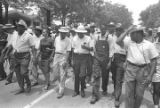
<point>150,17</point>
<point>87,10</point>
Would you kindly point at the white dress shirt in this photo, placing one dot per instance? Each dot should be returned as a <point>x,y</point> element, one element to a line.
<point>24,42</point>
<point>62,46</point>
<point>141,53</point>
<point>78,42</point>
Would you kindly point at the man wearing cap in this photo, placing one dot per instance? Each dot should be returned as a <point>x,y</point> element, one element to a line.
<point>81,49</point>
<point>118,60</point>
<point>93,37</point>
<point>62,48</point>
<point>157,37</point>
<point>141,64</point>
<point>9,52</point>
<point>22,47</point>
<point>101,64</point>
<point>149,35</point>
<point>37,38</point>
<point>3,42</point>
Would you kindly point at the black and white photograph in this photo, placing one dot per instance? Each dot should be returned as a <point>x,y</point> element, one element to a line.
<point>79,53</point>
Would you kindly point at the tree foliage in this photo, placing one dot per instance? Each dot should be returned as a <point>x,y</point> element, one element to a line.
<point>150,17</point>
<point>86,10</point>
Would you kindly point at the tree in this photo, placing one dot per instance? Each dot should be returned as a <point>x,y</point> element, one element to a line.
<point>150,16</point>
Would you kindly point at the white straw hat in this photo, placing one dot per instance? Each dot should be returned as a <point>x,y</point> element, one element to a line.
<point>81,29</point>
<point>23,23</point>
<point>64,30</point>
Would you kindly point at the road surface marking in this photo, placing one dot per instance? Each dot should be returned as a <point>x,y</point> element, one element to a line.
<point>30,105</point>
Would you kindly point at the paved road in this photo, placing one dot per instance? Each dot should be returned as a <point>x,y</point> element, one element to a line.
<point>47,99</point>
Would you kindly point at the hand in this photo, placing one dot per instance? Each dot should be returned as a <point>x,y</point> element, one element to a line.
<point>148,80</point>
<point>83,46</point>
<point>50,59</point>
<point>34,60</point>
<point>108,65</point>
<point>48,49</point>
<point>131,27</point>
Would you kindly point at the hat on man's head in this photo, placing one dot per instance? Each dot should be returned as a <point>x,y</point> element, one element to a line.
<point>63,30</point>
<point>38,28</point>
<point>158,30</point>
<point>138,29</point>
<point>111,24</point>
<point>22,23</point>
<point>119,27</point>
<point>92,25</point>
<point>81,29</point>
<point>8,26</point>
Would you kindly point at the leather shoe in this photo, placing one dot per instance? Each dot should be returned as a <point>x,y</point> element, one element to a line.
<point>8,82</point>
<point>93,100</point>
<point>60,95</point>
<point>34,83</point>
<point>20,91</point>
<point>28,89</point>
<point>75,94</point>
<point>117,104</point>
<point>82,94</point>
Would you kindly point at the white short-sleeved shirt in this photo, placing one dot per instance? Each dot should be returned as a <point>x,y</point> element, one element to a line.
<point>12,39</point>
<point>77,43</point>
<point>24,42</point>
<point>140,53</point>
<point>37,41</point>
<point>156,76</point>
<point>62,46</point>
<point>117,48</point>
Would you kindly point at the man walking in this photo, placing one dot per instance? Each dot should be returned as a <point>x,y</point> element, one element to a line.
<point>61,59</point>
<point>12,36</point>
<point>81,50</point>
<point>141,64</point>
<point>37,39</point>
<point>117,64</point>
<point>101,64</point>
<point>22,56</point>
<point>3,42</point>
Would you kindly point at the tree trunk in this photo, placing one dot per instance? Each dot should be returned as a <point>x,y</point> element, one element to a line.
<point>48,17</point>
<point>1,13</point>
<point>6,13</point>
<point>63,21</point>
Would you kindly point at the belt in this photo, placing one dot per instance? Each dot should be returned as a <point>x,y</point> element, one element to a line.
<point>21,52</point>
<point>80,54</point>
<point>58,53</point>
<point>120,54</point>
<point>141,65</point>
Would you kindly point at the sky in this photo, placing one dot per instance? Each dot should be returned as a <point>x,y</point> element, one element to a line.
<point>135,6</point>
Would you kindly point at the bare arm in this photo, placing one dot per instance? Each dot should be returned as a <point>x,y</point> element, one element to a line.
<point>123,35</point>
<point>153,67</point>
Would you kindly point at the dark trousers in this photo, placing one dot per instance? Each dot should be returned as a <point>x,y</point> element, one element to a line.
<point>156,92</point>
<point>135,86</point>
<point>80,65</point>
<point>22,61</point>
<point>89,67</point>
<point>2,72</point>
<point>99,70</point>
<point>113,72</point>
<point>118,75</point>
